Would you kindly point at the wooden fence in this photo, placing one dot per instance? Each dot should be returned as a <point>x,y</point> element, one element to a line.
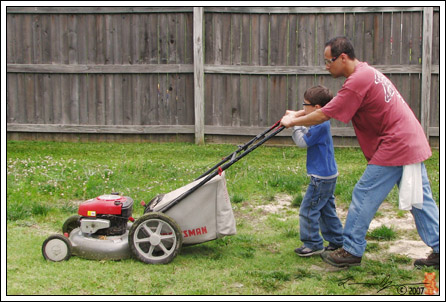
<point>210,71</point>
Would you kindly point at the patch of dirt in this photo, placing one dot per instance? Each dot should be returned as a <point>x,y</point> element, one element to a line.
<point>281,202</point>
<point>404,245</point>
<point>405,226</point>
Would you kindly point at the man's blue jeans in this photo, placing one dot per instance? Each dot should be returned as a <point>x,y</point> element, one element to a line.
<point>318,209</point>
<point>368,194</point>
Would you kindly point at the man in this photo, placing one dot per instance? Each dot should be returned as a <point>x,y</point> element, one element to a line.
<point>391,139</point>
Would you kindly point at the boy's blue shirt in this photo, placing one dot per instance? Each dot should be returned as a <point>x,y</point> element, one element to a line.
<point>320,152</point>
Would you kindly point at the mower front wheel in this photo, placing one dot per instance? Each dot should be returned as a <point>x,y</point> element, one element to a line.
<point>155,238</point>
<point>56,248</point>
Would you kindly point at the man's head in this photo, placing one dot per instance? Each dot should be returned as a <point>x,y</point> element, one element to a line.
<point>339,56</point>
<point>316,97</point>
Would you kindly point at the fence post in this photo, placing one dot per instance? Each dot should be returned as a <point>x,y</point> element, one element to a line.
<point>426,68</point>
<point>198,75</point>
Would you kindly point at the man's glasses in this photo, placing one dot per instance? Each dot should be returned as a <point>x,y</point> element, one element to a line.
<point>329,61</point>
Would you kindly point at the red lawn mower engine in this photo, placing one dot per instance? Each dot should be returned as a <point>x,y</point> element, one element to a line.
<point>106,215</point>
<point>99,232</point>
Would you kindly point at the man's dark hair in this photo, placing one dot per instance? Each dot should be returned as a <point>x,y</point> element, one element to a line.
<point>340,45</point>
<point>318,95</point>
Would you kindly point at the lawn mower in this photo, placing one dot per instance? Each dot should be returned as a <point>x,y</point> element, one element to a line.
<point>200,211</point>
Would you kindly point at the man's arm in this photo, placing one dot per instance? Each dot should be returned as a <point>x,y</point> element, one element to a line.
<point>315,118</point>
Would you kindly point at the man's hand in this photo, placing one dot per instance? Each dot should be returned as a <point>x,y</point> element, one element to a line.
<point>299,118</point>
<point>290,115</point>
<point>287,120</point>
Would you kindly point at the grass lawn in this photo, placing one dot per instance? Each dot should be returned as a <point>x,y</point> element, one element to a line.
<point>46,182</point>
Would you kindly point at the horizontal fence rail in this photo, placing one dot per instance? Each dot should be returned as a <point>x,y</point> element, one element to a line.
<point>137,70</point>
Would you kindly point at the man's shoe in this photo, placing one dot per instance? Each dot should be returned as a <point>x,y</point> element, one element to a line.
<point>331,248</point>
<point>341,258</point>
<point>432,260</point>
<point>305,251</point>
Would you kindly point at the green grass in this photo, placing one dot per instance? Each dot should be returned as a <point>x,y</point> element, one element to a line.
<point>383,233</point>
<point>46,181</point>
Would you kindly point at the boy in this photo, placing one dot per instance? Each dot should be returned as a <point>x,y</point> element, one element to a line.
<point>318,210</point>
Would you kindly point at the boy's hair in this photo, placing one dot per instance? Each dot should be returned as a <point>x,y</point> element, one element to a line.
<point>340,45</point>
<point>318,95</point>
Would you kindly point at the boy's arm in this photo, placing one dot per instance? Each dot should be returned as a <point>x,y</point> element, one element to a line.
<point>298,136</point>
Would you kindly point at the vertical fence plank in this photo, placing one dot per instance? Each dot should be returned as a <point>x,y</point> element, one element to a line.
<point>100,39</point>
<point>278,98</point>
<point>163,38</point>
<point>217,83</point>
<point>46,39</point>
<point>245,80</point>
<point>12,98</point>
<point>378,38</point>
<point>126,39</point>
<point>11,30</point>
<point>26,37</point>
<point>21,99</point>
<point>368,33</point>
<point>263,81</point>
<point>426,76</point>
<point>100,99</point>
<point>236,58</point>
<point>36,59</point>
<point>417,39</point>
<point>172,38</point>
<point>225,101</point>
<point>387,46</point>
<point>153,115</point>
<point>198,75</point>
<point>434,117</point>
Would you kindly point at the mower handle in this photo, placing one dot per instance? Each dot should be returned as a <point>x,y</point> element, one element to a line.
<point>233,155</point>
<point>227,165</point>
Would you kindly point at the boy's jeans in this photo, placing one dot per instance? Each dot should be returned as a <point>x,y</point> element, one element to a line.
<point>368,194</point>
<point>318,209</point>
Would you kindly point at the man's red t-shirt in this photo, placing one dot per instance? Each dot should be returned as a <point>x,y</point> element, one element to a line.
<point>387,130</point>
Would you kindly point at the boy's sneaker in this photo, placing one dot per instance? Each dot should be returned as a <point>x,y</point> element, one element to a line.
<point>341,258</point>
<point>332,247</point>
<point>432,260</point>
<point>306,251</point>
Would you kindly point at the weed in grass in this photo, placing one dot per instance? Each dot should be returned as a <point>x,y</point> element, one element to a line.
<point>302,273</point>
<point>400,259</point>
<point>270,280</point>
<point>288,183</point>
<point>382,233</point>
<point>378,214</point>
<point>297,200</point>
<point>401,213</point>
<point>372,247</point>
<point>291,232</point>
<point>236,198</point>
<point>17,211</point>
<point>69,208</point>
<point>40,209</point>
<point>243,246</point>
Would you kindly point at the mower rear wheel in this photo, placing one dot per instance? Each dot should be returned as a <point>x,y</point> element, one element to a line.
<point>155,238</point>
<point>70,224</point>
<point>56,248</point>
